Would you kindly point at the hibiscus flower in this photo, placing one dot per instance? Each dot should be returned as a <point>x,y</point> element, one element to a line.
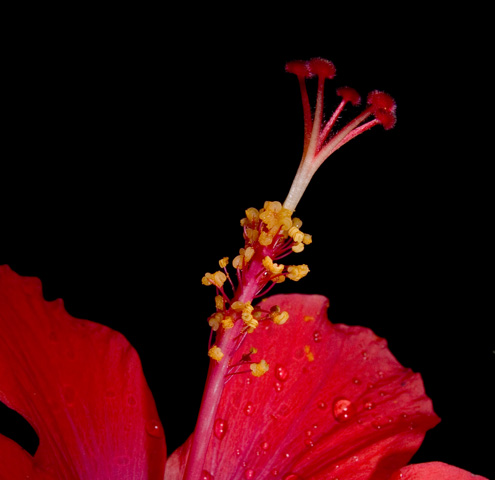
<point>289,395</point>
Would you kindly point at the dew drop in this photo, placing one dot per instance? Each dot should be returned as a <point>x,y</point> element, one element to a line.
<point>154,428</point>
<point>206,475</point>
<point>281,373</point>
<point>278,386</point>
<point>249,474</point>
<point>322,405</point>
<point>381,422</point>
<point>356,381</point>
<point>274,472</point>
<point>369,405</point>
<point>309,443</point>
<point>317,336</point>
<point>69,394</point>
<point>220,428</point>
<point>249,409</point>
<point>343,410</point>
<point>265,445</point>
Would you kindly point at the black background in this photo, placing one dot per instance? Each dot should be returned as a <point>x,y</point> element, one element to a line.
<point>134,141</point>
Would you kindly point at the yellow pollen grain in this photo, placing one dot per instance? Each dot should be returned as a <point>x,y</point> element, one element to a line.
<point>259,369</point>
<point>308,318</point>
<point>215,353</point>
<point>309,353</point>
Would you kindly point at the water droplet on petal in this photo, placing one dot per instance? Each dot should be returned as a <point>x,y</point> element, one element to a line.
<point>274,472</point>
<point>322,405</point>
<point>249,409</point>
<point>356,381</point>
<point>381,422</point>
<point>278,386</point>
<point>309,443</point>
<point>343,410</point>
<point>154,428</point>
<point>281,373</point>
<point>249,474</point>
<point>206,475</point>
<point>265,445</point>
<point>220,428</point>
<point>317,336</point>
<point>369,405</point>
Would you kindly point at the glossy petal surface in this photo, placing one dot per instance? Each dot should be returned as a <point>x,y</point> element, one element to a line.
<point>80,385</point>
<point>334,404</point>
<point>434,471</point>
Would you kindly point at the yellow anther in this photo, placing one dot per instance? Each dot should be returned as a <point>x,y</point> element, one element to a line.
<point>259,369</point>
<point>280,318</point>
<point>248,253</point>
<point>224,262</point>
<point>215,320</point>
<point>248,318</point>
<point>272,267</point>
<point>296,222</point>
<point>265,239</point>
<point>298,247</point>
<point>307,239</point>
<point>217,279</point>
<point>296,272</point>
<point>237,306</point>
<point>252,214</point>
<point>215,353</point>
<point>227,322</point>
<point>252,234</point>
<point>276,217</point>
<point>219,302</point>
<point>309,353</point>
<point>237,262</point>
<point>296,234</point>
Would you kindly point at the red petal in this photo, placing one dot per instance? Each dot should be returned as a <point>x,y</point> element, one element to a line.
<point>334,404</point>
<point>80,385</point>
<point>434,471</point>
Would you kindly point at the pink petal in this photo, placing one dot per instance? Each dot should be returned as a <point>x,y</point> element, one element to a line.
<point>334,404</point>
<point>434,471</point>
<point>80,385</point>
